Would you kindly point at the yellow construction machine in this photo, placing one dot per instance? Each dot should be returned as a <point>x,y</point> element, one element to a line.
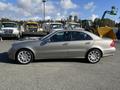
<point>107,31</point>
<point>104,31</point>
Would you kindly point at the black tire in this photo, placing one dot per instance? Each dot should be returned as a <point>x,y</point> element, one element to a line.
<point>94,56</point>
<point>26,59</point>
<point>18,36</point>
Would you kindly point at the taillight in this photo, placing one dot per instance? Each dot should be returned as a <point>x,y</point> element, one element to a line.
<point>113,44</point>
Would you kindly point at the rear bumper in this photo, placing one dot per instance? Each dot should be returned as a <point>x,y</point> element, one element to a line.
<point>109,52</point>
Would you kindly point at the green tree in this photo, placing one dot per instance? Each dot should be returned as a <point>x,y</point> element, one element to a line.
<point>97,22</point>
<point>104,22</point>
<point>108,22</point>
<point>5,20</point>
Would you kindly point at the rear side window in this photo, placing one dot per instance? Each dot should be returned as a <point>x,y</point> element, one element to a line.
<point>80,36</point>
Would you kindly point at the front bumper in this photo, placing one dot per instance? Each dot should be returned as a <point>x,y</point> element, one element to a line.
<point>9,35</point>
<point>11,53</point>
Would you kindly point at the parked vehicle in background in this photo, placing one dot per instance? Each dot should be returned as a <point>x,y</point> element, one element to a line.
<point>63,44</point>
<point>73,26</point>
<point>54,26</point>
<point>32,28</point>
<point>10,29</point>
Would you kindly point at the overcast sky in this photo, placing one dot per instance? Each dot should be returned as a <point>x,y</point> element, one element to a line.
<point>57,9</point>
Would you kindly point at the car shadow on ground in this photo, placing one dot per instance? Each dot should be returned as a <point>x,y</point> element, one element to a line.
<point>4,59</point>
<point>61,60</point>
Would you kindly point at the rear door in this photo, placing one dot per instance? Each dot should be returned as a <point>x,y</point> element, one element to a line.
<point>80,43</point>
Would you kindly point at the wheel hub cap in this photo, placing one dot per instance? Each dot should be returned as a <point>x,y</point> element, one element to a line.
<point>94,56</point>
<point>24,56</point>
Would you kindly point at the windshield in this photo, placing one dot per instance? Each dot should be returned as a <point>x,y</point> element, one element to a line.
<point>56,26</point>
<point>32,25</point>
<point>75,25</point>
<point>45,37</point>
<point>9,25</point>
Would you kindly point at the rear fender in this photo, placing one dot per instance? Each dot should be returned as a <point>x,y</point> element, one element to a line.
<point>95,47</point>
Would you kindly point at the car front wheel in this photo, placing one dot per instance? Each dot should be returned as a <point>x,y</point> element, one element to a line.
<point>94,56</point>
<point>24,56</point>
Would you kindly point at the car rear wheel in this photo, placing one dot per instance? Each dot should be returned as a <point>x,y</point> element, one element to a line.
<point>94,56</point>
<point>24,56</point>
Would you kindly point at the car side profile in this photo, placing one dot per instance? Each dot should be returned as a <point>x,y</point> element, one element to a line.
<point>63,44</point>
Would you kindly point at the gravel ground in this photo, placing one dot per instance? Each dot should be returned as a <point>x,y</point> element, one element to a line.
<point>59,74</point>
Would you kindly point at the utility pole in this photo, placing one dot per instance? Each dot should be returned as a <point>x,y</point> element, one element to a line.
<point>44,1</point>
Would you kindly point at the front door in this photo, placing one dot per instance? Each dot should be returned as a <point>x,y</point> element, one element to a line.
<point>56,46</point>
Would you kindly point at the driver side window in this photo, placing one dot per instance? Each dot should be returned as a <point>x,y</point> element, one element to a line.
<point>60,37</point>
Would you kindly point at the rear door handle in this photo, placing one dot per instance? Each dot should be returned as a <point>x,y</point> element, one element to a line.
<point>64,44</point>
<point>87,43</point>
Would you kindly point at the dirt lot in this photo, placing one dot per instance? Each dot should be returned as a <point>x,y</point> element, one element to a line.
<point>59,74</point>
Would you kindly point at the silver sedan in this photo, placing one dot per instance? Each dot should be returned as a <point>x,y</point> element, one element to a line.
<point>63,44</point>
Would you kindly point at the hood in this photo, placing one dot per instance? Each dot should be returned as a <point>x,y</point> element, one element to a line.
<point>26,43</point>
<point>28,40</point>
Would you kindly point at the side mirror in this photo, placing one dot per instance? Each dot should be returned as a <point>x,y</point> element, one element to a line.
<point>45,42</point>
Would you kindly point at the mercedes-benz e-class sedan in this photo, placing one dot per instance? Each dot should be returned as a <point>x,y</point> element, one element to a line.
<point>63,44</point>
